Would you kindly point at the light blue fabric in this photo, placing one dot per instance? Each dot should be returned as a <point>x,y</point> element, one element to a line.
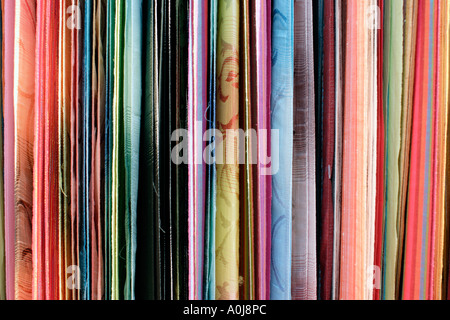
<point>282,120</point>
<point>132,126</point>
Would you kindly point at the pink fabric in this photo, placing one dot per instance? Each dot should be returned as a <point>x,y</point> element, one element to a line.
<point>261,89</point>
<point>8,114</point>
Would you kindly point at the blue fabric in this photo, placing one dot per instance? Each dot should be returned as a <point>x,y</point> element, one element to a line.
<point>210,212</point>
<point>282,120</point>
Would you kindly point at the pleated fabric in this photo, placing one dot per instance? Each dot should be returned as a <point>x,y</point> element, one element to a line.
<point>282,106</point>
<point>359,156</point>
<point>420,216</point>
<point>51,196</point>
<point>371,118</point>
<point>64,181</point>
<point>45,226</point>
<point>126,119</point>
<point>426,255</point>
<point>304,269</point>
<point>328,150</point>
<point>24,62</point>
<point>224,149</point>
<point>409,46</point>
<point>227,214</point>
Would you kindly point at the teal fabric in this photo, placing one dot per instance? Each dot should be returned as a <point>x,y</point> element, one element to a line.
<point>210,210</point>
<point>132,125</point>
<point>86,110</point>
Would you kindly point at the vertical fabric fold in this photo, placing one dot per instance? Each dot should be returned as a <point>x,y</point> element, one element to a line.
<point>180,171</point>
<point>24,66</point>
<point>85,125</point>
<point>340,14</point>
<point>420,218</point>
<point>393,72</point>
<point>445,100</point>
<point>197,105</point>
<point>409,47</point>
<point>146,263</point>
<point>304,270</point>
<point>209,272</point>
<point>2,187</point>
<point>8,11</point>
<point>132,104</point>
<point>75,77</point>
<point>381,151</point>
<point>246,199</point>
<point>64,109</point>
<point>282,114</point>
<point>45,224</point>
<point>109,96</point>
<point>328,132</point>
<point>227,223</point>
<point>118,241</point>
<point>260,47</point>
<point>359,156</point>
<point>98,147</point>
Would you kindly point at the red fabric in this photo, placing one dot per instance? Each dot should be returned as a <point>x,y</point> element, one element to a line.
<point>380,158</point>
<point>327,214</point>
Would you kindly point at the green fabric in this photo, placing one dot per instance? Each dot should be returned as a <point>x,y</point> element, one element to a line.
<point>118,173</point>
<point>108,142</point>
<point>394,40</point>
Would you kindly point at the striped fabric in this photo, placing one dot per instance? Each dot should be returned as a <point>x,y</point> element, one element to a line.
<point>225,150</point>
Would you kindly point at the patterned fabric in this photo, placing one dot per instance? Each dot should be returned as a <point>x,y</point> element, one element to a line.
<point>282,120</point>
<point>227,214</point>
<point>24,59</point>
